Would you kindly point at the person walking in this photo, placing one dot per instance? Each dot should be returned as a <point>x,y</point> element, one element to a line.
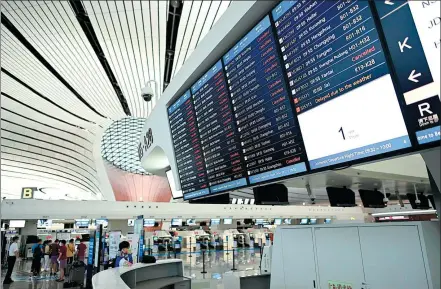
<point>13,254</point>
<point>62,259</point>
<point>54,248</point>
<point>70,251</point>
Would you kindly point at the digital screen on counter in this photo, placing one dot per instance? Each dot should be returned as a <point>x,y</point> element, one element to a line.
<point>336,69</point>
<point>176,222</point>
<point>149,222</point>
<point>217,130</point>
<point>268,130</point>
<point>214,222</point>
<point>187,146</point>
<point>82,223</point>
<point>103,222</point>
<point>228,221</point>
<point>191,222</point>
<point>277,221</point>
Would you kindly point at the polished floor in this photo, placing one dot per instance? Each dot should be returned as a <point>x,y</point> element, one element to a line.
<point>216,264</point>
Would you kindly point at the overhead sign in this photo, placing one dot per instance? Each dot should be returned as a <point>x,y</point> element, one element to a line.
<point>28,193</point>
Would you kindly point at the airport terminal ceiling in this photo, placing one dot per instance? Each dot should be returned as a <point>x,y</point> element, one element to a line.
<point>69,69</point>
<point>62,88</point>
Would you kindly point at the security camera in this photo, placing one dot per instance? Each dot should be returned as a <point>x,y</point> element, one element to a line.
<point>385,200</point>
<point>418,202</point>
<point>147,93</point>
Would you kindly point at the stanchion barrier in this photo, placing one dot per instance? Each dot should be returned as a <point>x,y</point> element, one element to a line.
<point>190,249</point>
<point>234,262</point>
<point>203,262</point>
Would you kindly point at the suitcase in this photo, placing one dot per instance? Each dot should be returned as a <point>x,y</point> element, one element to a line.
<point>77,271</point>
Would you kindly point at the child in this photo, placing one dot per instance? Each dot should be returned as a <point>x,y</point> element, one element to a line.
<point>124,258</point>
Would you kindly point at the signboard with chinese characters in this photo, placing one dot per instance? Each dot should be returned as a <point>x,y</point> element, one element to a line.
<point>339,285</point>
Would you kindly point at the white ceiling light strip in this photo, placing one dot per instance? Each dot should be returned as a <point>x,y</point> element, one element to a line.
<point>29,150</point>
<point>20,119</point>
<point>103,22</point>
<point>39,165</point>
<point>19,61</point>
<point>93,59</point>
<point>19,92</point>
<point>44,160</point>
<point>197,19</point>
<point>35,23</point>
<point>193,14</point>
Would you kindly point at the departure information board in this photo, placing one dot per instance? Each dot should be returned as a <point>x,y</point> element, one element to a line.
<point>315,85</point>
<point>268,129</point>
<point>217,129</point>
<point>188,152</point>
<point>339,78</point>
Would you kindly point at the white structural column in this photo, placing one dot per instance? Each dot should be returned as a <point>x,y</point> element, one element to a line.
<point>433,163</point>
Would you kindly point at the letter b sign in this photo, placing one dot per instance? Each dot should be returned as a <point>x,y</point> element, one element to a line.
<point>28,193</point>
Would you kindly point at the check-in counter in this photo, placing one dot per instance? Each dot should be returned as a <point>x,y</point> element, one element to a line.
<point>166,274</point>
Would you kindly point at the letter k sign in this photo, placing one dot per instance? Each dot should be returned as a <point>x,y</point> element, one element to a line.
<point>404,45</point>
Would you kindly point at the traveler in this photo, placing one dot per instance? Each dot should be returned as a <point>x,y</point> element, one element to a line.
<point>81,249</point>
<point>70,251</point>
<point>124,258</point>
<point>54,248</point>
<point>13,254</point>
<point>62,259</point>
<point>37,254</point>
<point>47,254</point>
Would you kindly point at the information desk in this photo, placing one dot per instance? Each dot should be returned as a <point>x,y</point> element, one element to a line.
<point>163,274</point>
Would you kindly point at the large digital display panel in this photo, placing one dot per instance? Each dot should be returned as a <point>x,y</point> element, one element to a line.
<point>343,92</point>
<point>188,152</point>
<point>217,129</point>
<point>411,44</point>
<point>268,129</point>
<point>360,87</point>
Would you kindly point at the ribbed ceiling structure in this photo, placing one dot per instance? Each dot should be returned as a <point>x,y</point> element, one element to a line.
<point>70,68</point>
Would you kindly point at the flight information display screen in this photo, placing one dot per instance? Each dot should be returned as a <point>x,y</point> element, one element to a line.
<point>217,129</point>
<point>343,92</point>
<point>315,85</point>
<point>188,151</point>
<point>268,129</point>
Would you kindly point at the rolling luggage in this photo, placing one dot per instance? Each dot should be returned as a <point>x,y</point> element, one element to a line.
<point>77,271</point>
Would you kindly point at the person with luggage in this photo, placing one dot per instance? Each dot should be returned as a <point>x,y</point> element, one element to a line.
<point>62,259</point>
<point>13,254</point>
<point>37,254</point>
<point>70,251</point>
<point>125,257</point>
<point>54,248</point>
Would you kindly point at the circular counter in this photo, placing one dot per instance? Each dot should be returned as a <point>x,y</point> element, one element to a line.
<point>162,274</point>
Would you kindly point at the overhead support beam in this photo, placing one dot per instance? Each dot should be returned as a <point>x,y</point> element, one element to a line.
<point>86,25</point>
<point>8,24</point>
<point>174,17</point>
